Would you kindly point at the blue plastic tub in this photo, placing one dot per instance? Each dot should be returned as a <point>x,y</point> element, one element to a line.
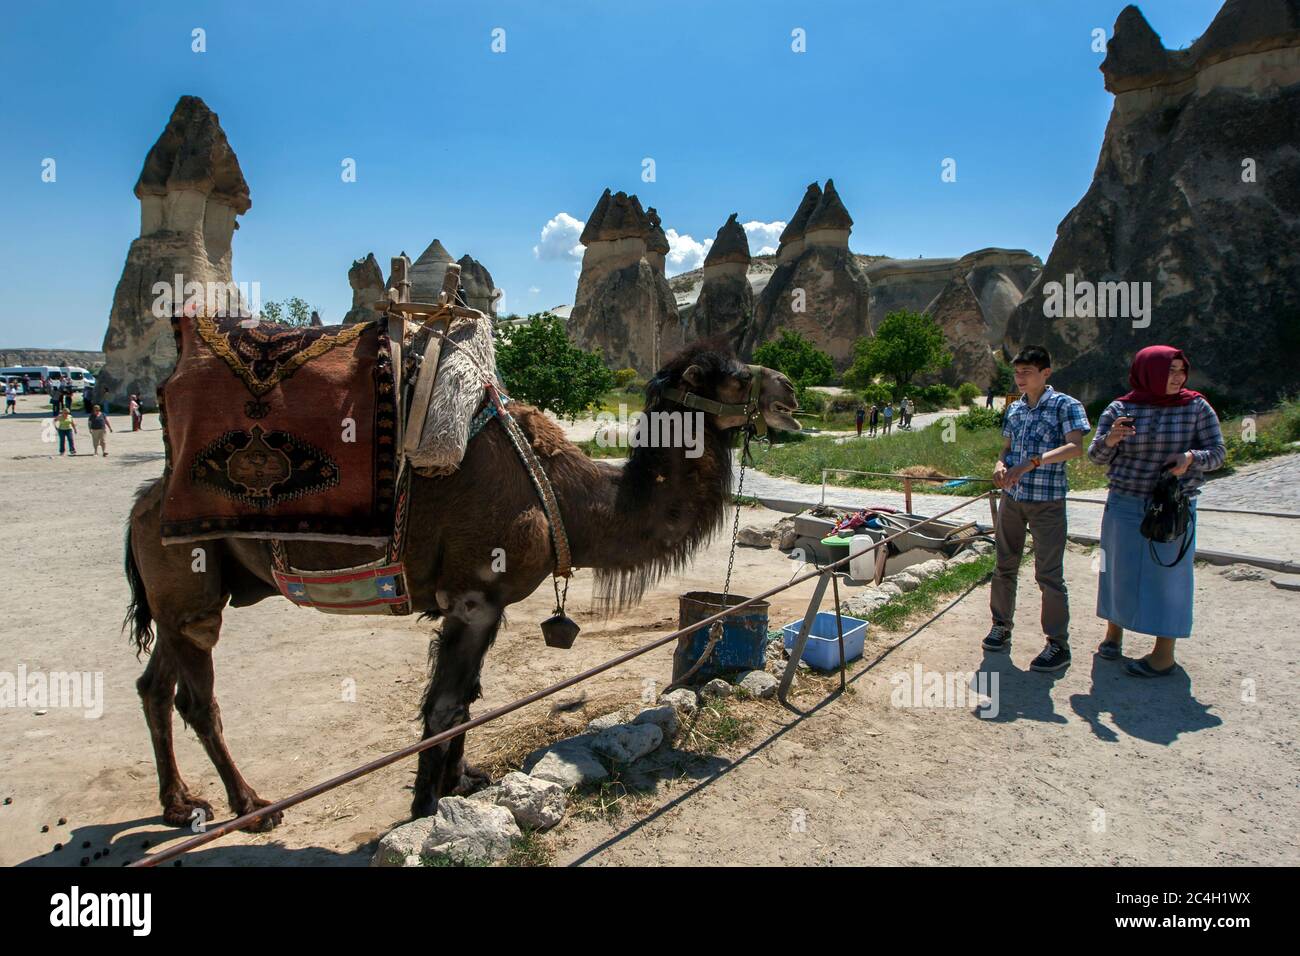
<point>823,648</point>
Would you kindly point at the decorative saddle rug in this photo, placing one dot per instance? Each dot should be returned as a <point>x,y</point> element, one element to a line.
<point>274,431</point>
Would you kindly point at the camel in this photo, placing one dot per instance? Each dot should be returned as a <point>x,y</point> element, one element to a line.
<point>630,523</point>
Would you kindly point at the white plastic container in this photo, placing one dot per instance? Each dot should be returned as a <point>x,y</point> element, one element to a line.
<point>862,560</point>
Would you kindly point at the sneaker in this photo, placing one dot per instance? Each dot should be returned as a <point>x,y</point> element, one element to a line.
<point>1053,657</point>
<point>999,638</point>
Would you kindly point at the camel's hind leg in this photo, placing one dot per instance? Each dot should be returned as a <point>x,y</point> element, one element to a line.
<point>157,687</point>
<point>197,704</point>
<point>466,635</point>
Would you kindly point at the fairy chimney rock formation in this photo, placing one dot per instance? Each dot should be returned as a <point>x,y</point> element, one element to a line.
<point>791,243</point>
<point>829,223</point>
<point>367,282</point>
<point>476,285</point>
<point>819,288</point>
<point>726,301</point>
<point>1187,234</point>
<point>427,272</point>
<point>656,243</point>
<point>191,190</point>
<point>623,305</point>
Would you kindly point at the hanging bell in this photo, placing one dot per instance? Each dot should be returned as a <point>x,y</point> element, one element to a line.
<point>560,630</point>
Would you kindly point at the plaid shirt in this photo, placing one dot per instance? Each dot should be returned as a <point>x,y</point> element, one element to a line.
<point>1159,431</point>
<point>1036,431</point>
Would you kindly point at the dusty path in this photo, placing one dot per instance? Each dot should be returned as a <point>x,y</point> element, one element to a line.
<point>1222,792</point>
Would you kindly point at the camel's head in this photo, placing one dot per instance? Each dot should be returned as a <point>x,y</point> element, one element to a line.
<point>714,374</point>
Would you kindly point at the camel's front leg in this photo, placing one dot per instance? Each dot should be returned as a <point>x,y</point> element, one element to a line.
<point>468,629</point>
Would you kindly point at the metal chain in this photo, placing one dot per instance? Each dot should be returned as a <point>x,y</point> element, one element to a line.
<point>735,527</point>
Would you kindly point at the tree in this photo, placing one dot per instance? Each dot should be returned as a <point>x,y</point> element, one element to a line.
<point>802,362</point>
<point>293,311</point>
<point>539,365</point>
<point>906,344</point>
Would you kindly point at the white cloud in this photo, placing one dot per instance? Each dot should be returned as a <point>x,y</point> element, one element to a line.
<point>560,238</point>
<point>533,290</point>
<point>684,253</point>
<point>764,237</point>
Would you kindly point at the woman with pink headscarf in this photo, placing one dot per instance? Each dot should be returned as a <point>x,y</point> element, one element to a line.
<point>1158,425</point>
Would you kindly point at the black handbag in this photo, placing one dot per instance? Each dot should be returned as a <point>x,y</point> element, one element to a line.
<point>1169,517</point>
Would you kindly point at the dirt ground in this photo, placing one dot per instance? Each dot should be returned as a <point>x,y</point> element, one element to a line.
<point>1089,766</point>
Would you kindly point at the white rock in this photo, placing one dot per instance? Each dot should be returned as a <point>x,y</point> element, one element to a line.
<point>532,802</point>
<point>1287,582</point>
<point>927,569</point>
<point>570,763</point>
<point>664,717</point>
<point>628,742</point>
<point>905,581</point>
<point>889,588</point>
<point>605,721</point>
<point>1244,572</point>
<point>758,684</point>
<point>486,795</point>
<point>755,537</point>
<point>982,546</point>
<point>965,556</point>
<point>400,844</point>
<point>467,831</point>
<point>716,688</point>
<point>682,698</point>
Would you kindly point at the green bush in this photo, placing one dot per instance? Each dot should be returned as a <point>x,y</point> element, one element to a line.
<point>931,398</point>
<point>968,393</point>
<point>624,377</point>
<point>795,356</point>
<point>876,394</point>
<point>539,366</point>
<point>977,417</point>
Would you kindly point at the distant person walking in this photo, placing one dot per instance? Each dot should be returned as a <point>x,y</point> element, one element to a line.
<point>56,398</point>
<point>99,428</point>
<point>66,388</point>
<point>11,400</point>
<point>875,420</point>
<point>889,417</point>
<point>988,399</point>
<point>66,428</point>
<point>860,417</point>
<point>1158,427</point>
<point>136,417</point>
<point>907,409</point>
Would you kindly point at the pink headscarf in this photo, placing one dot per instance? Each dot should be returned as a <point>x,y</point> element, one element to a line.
<point>1149,377</point>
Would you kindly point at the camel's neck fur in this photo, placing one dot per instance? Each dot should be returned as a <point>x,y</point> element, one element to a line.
<point>649,518</point>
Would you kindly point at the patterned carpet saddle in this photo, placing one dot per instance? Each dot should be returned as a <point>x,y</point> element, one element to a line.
<point>283,432</point>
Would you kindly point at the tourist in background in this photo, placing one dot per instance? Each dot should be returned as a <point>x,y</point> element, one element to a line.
<point>66,428</point>
<point>11,399</point>
<point>1160,424</point>
<point>136,417</point>
<point>988,399</point>
<point>874,420</point>
<point>906,410</point>
<point>888,416</point>
<point>99,428</point>
<point>56,398</point>
<point>859,417</point>
<point>1043,430</point>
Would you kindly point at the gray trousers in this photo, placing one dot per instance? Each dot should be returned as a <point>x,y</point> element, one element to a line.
<point>1046,522</point>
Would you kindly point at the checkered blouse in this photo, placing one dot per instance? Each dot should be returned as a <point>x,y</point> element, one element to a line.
<point>1160,431</point>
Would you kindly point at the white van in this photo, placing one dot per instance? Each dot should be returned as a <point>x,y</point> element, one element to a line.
<point>37,378</point>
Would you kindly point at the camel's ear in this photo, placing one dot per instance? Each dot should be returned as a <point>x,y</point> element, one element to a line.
<point>693,376</point>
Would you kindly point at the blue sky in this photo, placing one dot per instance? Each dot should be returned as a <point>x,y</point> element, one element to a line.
<point>483,149</point>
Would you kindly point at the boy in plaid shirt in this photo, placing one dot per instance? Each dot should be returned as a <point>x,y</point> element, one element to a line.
<point>1043,429</point>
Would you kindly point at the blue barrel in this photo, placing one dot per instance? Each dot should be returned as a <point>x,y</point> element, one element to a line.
<point>744,636</point>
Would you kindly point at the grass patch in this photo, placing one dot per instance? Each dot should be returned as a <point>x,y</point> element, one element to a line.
<point>529,850</point>
<point>592,449</point>
<point>715,727</point>
<point>891,615</point>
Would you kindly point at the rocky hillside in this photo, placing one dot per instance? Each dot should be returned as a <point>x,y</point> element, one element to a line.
<point>84,359</point>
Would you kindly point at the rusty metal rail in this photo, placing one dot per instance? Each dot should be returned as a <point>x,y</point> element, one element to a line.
<point>239,823</point>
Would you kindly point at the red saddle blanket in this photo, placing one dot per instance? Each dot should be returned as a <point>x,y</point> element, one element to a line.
<point>274,431</point>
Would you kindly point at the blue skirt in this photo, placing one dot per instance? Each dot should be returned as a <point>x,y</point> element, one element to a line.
<point>1133,591</point>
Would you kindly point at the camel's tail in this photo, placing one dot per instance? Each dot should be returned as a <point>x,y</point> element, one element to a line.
<point>139,616</point>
